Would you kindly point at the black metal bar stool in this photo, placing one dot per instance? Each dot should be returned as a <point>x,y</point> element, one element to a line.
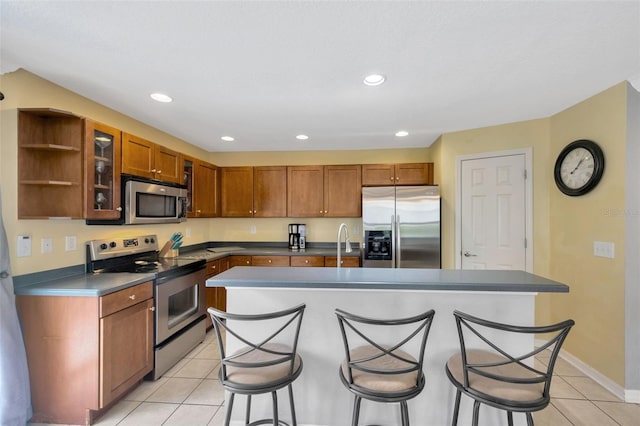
<point>494,376</point>
<point>383,372</point>
<point>266,364</point>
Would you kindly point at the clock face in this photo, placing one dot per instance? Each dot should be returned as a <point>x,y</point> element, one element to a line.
<point>579,167</point>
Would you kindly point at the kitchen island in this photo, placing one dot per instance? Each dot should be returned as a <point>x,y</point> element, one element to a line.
<point>321,399</point>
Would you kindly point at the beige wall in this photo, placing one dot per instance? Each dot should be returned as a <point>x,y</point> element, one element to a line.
<point>564,228</point>
<point>529,134</point>
<point>596,301</point>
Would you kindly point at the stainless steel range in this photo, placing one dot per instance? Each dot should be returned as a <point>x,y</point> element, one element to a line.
<point>179,292</point>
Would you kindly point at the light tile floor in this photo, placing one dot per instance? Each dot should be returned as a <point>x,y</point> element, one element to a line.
<point>190,395</point>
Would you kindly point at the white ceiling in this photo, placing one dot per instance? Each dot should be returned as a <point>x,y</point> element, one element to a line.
<point>265,71</point>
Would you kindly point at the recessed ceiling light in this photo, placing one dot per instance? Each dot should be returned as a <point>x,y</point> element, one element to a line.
<point>161,97</point>
<point>402,133</point>
<point>227,138</point>
<point>302,137</point>
<point>374,79</point>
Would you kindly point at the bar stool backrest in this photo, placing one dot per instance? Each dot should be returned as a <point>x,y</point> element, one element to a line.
<point>481,334</point>
<point>274,338</point>
<point>387,337</point>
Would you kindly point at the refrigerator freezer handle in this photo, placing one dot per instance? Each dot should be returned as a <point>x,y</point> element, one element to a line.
<point>393,241</point>
<point>397,241</point>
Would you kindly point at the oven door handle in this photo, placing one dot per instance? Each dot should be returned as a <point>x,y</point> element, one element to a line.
<point>175,275</point>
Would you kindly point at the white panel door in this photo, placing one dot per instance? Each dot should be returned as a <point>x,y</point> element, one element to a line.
<point>493,214</point>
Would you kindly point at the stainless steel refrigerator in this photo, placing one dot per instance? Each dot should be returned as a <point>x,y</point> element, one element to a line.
<point>401,227</point>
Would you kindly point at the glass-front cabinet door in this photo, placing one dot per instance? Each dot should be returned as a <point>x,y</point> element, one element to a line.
<point>102,170</point>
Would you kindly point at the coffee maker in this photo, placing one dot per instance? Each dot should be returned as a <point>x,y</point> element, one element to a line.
<point>297,236</point>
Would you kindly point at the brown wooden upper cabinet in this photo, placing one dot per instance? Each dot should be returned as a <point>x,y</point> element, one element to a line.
<point>324,191</point>
<point>253,191</point>
<point>203,187</point>
<point>102,171</point>
<point>397,174</point>
<point>144,158</point>
<point>50,158</point>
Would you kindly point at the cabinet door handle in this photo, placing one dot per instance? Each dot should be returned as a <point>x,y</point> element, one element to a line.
<point>159,172</point>
<point>306,261</point>
<point>132,297</point>
<point>153,308</point>
<point>468,254</point>
<point>392,178</point>
<point>119,209</point>
<point>153,170</point>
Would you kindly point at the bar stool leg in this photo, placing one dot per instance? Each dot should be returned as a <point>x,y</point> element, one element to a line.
<point>247,414</point>
<point>356,411</point>
<point>510,418</point>
<point>529,419</point>
<point>404,410</point>
<point>476,412</point>
<point>456,409</point>
<point>275,408</point>
<point>294,422</point>
<point>227,419</point>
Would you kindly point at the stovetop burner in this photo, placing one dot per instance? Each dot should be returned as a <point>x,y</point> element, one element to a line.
<point>134,255</point>
<point>138,267</point>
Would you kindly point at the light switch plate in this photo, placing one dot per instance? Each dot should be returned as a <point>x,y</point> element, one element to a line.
<point>24,246</point>
<point>603,249</point>
<point>46,245</point>
<point>70,243</point>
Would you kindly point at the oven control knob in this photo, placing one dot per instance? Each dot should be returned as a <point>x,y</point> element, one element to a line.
<point>112,244</point>
<point>153,240</point>
<point>146,241</point>
<point>103,246</point>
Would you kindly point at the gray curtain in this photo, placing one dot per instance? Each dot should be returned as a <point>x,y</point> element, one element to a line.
<point>15,395</point>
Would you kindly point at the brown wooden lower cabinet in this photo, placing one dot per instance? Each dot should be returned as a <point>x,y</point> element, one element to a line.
<point>85,352</point>
<point>269,260</point>
<point>346,261</point>
<point>216,297</point>
<point>307,261</point>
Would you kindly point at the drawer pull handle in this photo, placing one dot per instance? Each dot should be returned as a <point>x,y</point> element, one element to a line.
<point>269,260</point>
<point>152,309</point>
<point>132,297</point>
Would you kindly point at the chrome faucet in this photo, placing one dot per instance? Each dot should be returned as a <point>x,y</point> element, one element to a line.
<point>347,242</point>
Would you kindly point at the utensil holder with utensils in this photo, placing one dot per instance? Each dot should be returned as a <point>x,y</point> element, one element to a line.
<point>170,248</point>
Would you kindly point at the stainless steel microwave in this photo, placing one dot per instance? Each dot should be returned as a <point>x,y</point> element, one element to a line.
<point>148,201</point>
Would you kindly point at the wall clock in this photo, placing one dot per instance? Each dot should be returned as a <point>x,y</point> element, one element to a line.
<point>579,167</point>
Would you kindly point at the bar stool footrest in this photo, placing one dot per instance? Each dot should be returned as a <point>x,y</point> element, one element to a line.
<point>267,422</point>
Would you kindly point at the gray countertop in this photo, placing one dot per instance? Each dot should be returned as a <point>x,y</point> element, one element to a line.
<point>213,253</point>
<point>73,281</point>
<point>83,284</point>
<point>384,278</point>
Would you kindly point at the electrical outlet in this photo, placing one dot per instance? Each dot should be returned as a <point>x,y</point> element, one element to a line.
<point>46,245</point>
<point>24,245</point>
<point>187,233</point>
<point>252,229</point>
<point>70,243</point>
<point>603,249</point>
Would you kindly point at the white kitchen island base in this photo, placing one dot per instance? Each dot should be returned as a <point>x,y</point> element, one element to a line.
<point>320,397</point>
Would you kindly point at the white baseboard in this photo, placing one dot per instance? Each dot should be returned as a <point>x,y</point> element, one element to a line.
<point>632,395</point>
<point>627,395</point>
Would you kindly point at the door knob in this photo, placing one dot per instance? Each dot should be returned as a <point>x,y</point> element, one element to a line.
<point>467,254</point>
